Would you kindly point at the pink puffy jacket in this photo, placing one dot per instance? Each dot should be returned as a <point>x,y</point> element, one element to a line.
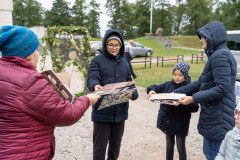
<point>29,111</point>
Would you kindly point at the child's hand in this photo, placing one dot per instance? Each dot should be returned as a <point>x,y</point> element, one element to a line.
<point>186,100</point>
<point>97,87</point>
<point>130,95</point>
<point>150,93</point>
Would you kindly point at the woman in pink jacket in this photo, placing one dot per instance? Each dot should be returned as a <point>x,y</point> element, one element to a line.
<point>29,107</point>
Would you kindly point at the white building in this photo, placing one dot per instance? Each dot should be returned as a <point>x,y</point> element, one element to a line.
<point>6,8</point>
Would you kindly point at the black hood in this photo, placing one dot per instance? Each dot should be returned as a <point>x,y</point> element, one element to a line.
<point>107,34</point>
<point>215,34</point>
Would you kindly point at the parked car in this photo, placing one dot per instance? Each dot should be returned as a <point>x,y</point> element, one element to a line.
<point>140,50</point>
<point>233,44</point>
<point>96,48</point>
<point>91,42</point>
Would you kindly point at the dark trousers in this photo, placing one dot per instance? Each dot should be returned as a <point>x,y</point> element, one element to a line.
<point>107,133</point>
<point>180,147</point>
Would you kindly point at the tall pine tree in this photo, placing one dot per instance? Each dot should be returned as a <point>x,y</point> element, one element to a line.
<point>199,13</point>
<point>93,19</point>
<point>59,15</point>
<point>79,13</point>
<point>179,10</point>
<point>163,17</point>
<point>142,16</point>
<point>27,13</point>
<point>121,16</point>
<point>229,14</point>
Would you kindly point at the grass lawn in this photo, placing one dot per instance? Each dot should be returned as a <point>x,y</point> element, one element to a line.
<point>157,75</point>
<point>187,41</point>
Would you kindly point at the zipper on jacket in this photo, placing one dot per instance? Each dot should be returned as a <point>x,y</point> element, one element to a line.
<point>235,152</point>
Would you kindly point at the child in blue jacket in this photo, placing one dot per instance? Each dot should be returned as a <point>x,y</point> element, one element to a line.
<point>108,124</point>
<point>174,120</point>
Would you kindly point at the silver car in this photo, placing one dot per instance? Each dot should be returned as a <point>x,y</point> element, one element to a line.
<point>233,44</point>
<point>140,50</point>
<point>96,48</point>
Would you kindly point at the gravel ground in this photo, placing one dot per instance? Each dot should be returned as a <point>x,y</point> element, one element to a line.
<point>141,140</point>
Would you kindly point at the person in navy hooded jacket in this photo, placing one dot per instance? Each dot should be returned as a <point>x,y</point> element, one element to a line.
<point>174,120</point>
<point>108,123</point>
<point>215,88</point>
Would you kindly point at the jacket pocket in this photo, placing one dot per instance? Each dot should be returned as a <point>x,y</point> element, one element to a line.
<point>215,103</point>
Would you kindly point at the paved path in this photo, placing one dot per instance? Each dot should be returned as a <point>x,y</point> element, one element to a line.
<point>193,49</point>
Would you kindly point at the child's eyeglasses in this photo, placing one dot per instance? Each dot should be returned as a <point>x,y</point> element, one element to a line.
<point>236,113</point>
<point>111,46</point>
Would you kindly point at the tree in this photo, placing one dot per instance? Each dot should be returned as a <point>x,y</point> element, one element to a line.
<point>142,17</point>
<point>27,13</point>
<point>79,13</point>
<point>59,15</point>
<point>229,14</point>
<point>34,12</point>
<point>19,14</point>
<point>162,17</point>
<point>129,20</point>
<point>93,19</point>
<point>179,13</point>
<point>121,16</point>
<point>198,14</point>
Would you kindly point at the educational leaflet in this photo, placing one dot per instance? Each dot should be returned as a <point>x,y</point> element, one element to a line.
<point>116,98</point>
<point>114,93</point>
<point>58,86</point>
<point>167,98</point>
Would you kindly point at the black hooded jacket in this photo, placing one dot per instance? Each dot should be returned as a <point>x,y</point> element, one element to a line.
<point>105,69</point>
<point>173,120</point>
<point>215,88</point>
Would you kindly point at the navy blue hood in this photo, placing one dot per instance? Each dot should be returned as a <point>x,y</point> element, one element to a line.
<point>107,34</point>
<point>215,34</point>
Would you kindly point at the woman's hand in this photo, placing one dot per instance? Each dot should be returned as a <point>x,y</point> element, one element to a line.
<point>186,100</point>
<point>93,98</point>
<point>150,93</point>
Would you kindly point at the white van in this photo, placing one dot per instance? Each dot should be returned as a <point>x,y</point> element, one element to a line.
<point>233,43</point>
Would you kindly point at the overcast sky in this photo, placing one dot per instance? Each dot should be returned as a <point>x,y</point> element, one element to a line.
<point>47,4</point>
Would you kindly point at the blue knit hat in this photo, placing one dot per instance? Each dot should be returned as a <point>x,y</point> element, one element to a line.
<point>183,67</point>
<point>17,41</point>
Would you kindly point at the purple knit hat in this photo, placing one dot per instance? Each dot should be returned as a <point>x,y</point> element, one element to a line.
<point>17,41</point>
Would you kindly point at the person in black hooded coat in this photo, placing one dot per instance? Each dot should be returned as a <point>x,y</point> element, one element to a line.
<point>174,120</point>
<point>214,89</point>
<point>109,67</point>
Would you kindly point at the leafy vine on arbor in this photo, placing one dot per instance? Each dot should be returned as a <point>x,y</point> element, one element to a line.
<point>61,43</point>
